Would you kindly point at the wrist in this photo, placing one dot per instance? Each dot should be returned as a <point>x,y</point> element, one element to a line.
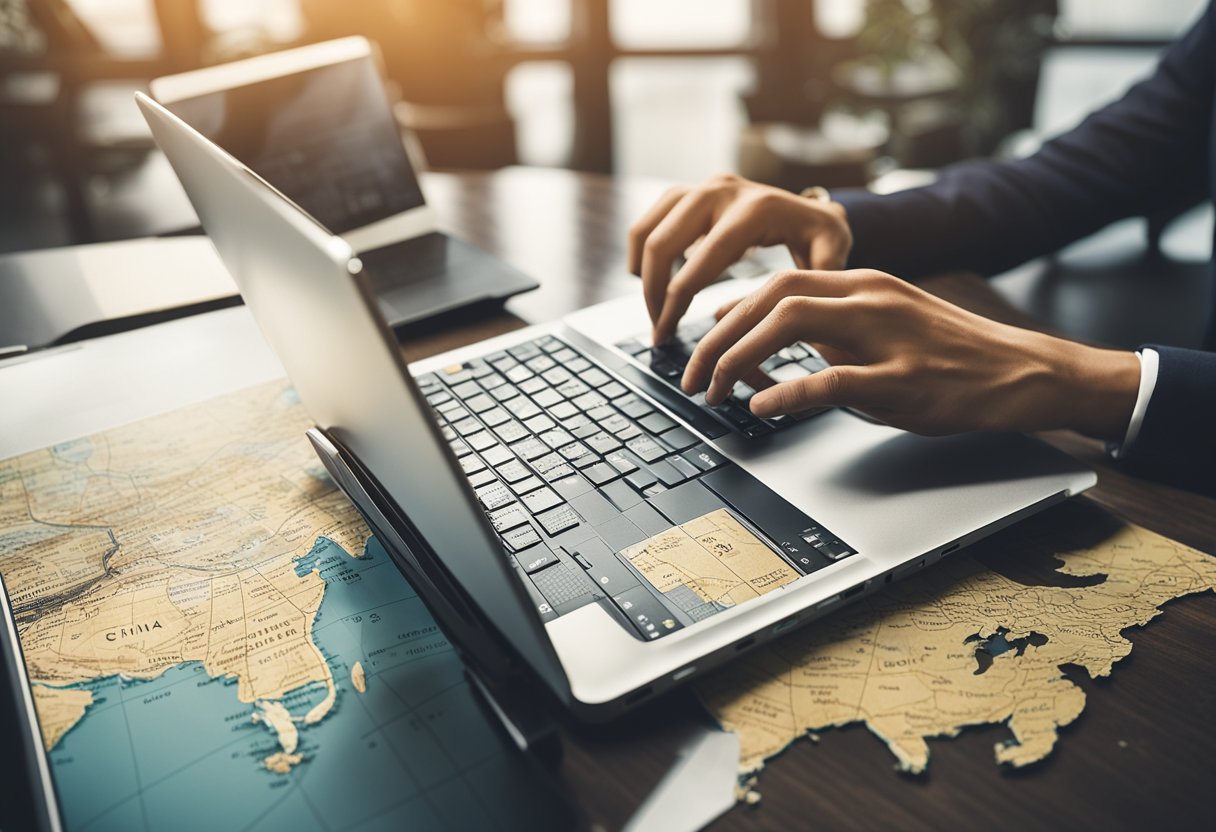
<point>1099,389</point>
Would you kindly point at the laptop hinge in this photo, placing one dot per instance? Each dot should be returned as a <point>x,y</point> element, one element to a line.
<point>508,688</point>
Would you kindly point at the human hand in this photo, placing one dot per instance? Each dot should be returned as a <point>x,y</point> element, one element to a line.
<point>922,364</point>
<point>733,215</point>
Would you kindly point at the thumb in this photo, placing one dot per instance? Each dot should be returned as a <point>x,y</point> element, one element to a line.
<point>843,386</point>
<point>829,252</point>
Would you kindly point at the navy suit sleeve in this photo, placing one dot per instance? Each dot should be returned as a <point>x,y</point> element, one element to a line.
<point>1176,440</point>
<point>1146,152</point>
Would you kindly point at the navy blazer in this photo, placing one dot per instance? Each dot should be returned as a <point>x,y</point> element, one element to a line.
<point>1153,150</point>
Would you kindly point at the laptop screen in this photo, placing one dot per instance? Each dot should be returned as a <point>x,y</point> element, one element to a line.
<point>325,137</point>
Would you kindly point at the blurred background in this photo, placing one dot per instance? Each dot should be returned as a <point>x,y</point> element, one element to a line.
<point>791,92</point>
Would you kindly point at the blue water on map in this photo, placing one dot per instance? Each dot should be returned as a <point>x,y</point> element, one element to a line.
<point>415,752</point>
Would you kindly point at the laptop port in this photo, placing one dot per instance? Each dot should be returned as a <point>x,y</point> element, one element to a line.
<point>743,645</point>
<point>638,695</point>
<point>853,590</point>
<point>953,547</point>
<point>782,626</point>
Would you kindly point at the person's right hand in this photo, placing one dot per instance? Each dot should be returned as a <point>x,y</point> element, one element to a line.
<point>733,215</point>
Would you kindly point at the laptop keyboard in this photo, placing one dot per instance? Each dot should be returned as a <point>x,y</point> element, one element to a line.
<point>667,361</point>
<point>571,466</point>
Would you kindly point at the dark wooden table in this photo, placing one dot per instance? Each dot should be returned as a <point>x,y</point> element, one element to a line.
<point>1141,754</point>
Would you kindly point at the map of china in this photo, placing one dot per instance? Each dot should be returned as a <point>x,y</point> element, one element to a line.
<point>907,662</point>
<point>133,551</point>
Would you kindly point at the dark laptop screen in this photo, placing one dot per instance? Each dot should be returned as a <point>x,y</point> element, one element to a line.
<point>325,137</point>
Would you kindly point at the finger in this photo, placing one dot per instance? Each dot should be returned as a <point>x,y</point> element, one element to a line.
<point>684,223</point>
<point>789,318</point>
<point>829,251</point>
<point>640,230</point>
<point>847,386</point>
<point>727,241</point>
<point>748,313</point>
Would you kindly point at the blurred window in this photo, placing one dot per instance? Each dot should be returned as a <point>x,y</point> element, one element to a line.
<point>1128,18</point>
<point>537,21</point>
<point>649,24</point>
<point>538,96</point>
<point>678,119</point>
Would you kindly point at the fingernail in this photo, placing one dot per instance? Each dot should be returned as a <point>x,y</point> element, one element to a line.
<point>763,405</point>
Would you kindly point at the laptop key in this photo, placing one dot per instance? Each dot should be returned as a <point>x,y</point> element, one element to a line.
<point>650,450</point>
<point>603,442</point>
<point>557,520</point>
<point>495,496</point>
<point>511,431</point>
<point>523,408</point>
<point>621,461</point>
<point>540,423</point>
<point>634,408</point>
<point>555,438</point>
<point>573,388</point>
<point>467,426</point>
<point>530,448</point>
<point>571,487</point>
<point>656,422</point>
<point>540,500</point>
<point>495,416</point>
<point>679,438</point>
<point>704,457</point>
<point>667,473</point>
<point>687,502</point>
<point>492,381</point>
<point>585,430</point>
<point>621,495</point>
<point>641,479</point>
<point>466,390</point>
<point>556,375</point>
<point>653,490</point>
<point>438,398</point>
<point>513,471</point>
<point>540,363</point>
<point>683,466</point>
<point>507,518</point>
<point>460,448</point>
<point>481,441</point>
<point>471,464</point>
<point>497,455</point>
<point>504,392</point>
<point>564,355</point>
<point>600,473</point>
<point>536,558</point>
<point>519,373</point>
<point>595,377</point>
<point>563,410</point>
<point>521,537</point>
<point>613,390</point>
<point>483,477</point>
<point>533,385</point>
<point>525,486</point>
<point>589,401</point>
<point>522,352</point>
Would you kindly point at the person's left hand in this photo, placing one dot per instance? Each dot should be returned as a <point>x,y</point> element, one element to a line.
<point>918,362</point>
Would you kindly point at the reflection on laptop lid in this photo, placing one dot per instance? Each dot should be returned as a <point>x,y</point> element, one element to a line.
<point>314,122</point>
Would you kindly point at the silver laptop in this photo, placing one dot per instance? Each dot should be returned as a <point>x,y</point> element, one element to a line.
<point>556,499</point>
<point>315,122</point>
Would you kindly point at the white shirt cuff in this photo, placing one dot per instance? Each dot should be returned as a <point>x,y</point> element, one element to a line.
<point>1148,382</point>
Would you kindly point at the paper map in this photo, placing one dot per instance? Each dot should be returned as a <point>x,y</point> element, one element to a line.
<point>709,564</point>
<point>214,642</point>
<point>959,646</point>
